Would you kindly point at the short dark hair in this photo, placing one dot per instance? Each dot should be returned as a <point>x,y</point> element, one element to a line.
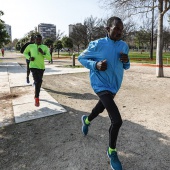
<point>38,36</point>
<point>111,21</point>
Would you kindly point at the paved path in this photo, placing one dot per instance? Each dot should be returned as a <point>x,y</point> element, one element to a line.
<point>13,84</point>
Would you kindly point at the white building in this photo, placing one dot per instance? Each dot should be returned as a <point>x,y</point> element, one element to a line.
<point>47,30</point>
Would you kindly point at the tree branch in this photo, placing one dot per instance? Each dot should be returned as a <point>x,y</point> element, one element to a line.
<point>166,7</point>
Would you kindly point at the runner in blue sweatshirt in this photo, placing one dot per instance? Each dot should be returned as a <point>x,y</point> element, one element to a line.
<point>107,58</point>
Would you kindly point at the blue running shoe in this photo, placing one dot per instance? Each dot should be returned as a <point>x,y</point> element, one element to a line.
<point>84,125</point>
<point>114,160</point>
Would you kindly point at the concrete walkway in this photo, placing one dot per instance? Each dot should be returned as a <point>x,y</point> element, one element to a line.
<point>19,95</point>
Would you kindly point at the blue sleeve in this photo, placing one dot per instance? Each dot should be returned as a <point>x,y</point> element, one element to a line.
<point>89,57</point>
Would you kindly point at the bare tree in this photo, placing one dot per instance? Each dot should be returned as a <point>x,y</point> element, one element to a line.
<point>129,27</point>
<point>59,34</point>
<point>91,29</point>
<point>95,28</point>
<point>79,35</point>
<point>163,7</point>
<point>134,7</point>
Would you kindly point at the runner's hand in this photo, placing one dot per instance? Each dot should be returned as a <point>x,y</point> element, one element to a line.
<point>32,58</point>
<point>101,65</point>
<point>124,58</point>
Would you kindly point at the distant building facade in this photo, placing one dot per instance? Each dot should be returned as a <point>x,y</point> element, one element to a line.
<point>47,30</point>
<point>8,30</point>
<point>70,29</point>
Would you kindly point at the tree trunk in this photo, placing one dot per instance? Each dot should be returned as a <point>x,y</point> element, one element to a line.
<point>159,52</point>
<point>151,40</point>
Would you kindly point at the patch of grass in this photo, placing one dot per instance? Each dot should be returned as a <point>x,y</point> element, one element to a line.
<point>65,54</point>
<point>145,57</point>
<point>135,56</point>
<point>139,55</point>
<point>143,61</point>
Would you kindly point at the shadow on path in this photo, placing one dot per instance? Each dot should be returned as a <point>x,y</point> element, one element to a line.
<point>85,96</point>
<point>56,142</point>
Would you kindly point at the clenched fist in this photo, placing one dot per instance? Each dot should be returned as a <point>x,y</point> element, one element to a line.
<point>124,58</point>
<point>32,58</point>
<point>101,65</point>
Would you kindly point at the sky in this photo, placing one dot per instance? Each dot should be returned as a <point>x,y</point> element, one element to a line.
<point>25,15</point>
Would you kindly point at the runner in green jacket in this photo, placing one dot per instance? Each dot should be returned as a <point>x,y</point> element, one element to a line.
<point>38,53</point>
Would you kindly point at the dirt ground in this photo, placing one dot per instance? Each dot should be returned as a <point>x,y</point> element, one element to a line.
<point>56,142</point>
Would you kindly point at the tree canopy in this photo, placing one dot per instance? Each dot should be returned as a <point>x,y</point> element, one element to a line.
<point>67,42</point>
<point>48,42</point>
<point>4,37</point>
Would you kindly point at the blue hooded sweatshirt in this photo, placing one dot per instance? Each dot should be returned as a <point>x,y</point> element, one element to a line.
<point>109,50</point>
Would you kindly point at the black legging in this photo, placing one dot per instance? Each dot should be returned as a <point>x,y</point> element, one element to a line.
<point>28,69</point>
<point>106,101</point>
<point>37,75</point>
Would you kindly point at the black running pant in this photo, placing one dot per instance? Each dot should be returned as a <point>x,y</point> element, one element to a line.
<point>28,69</point>
<point>37,76</point>
<point>106,101</point>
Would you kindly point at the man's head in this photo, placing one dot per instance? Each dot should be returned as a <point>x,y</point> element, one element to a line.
<point>114,28</point>
<point>38,39</point>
